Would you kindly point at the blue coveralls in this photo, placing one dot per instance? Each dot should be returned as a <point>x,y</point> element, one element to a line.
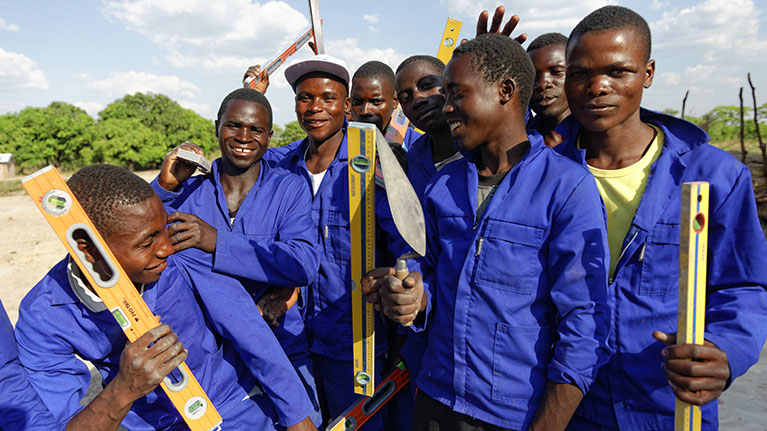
<point>54,325</point>
<point>631,392</point>
<point>517,297</point>
<point>20,406</point>
<point>268,243</point>
<point>329,313</point>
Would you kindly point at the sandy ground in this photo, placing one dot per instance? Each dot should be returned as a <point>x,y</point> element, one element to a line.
<point>31,248</point>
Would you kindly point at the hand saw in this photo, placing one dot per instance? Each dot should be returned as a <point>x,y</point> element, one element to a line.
<point>693,249</point>
<point>280,59</point>
<point>68,219</point>
<point>361,138</point>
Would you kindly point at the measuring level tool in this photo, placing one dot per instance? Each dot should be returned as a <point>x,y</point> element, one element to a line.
<point>362,150</point>
<point>692,285</point>
<point>449,39</point>
<point>280,59</point>
<point>314,13</point>
<point>70,222</point>
<point>356,416</point>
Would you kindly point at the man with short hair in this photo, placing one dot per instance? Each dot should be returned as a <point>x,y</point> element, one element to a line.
<point>548,102</point>
<point>639,160</point>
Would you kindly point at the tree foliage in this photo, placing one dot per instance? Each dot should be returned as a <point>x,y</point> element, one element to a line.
<point>291,132</point>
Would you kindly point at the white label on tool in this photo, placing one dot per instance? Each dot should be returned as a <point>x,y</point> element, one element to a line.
<point>57,202</point>
<point>195,408</point>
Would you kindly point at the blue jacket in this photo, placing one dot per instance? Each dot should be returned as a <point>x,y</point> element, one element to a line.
<point>631,391</point>
<point>54,325</point>
<point>270,241</point>
<point>20,406</point>
<point>329,316</point>
<point>411,135</point>
<point>519,296</point>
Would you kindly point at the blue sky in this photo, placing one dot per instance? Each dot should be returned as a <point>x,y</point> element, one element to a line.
<point>91,52</point>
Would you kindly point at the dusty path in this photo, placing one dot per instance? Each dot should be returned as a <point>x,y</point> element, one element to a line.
<point>30,248</point>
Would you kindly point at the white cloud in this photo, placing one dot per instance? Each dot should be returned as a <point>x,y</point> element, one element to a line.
<point>717,29</point>
<point>18,71</point>
<point>370,19</point>
<point>92,108</point>
<point>657,4</point>
<point>121,83</point>
<point>214,37</point>
<point>535,17</point>
<point>671,78</point>
<point>349,50</point>
<point>200,108</point>
<point>8,26</point>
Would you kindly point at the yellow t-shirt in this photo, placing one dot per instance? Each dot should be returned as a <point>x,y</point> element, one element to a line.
<point>622,190</point>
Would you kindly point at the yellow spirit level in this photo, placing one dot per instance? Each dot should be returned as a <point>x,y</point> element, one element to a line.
<point>449,40</point>
<point>70,222</point>
<point>692,285</point>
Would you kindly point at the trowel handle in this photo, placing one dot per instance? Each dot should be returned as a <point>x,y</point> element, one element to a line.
<point>400,269</point>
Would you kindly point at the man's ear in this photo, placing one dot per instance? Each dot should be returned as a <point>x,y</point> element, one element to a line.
<point>87,249</point>
<point>649,73</point>
<point>507,88</point>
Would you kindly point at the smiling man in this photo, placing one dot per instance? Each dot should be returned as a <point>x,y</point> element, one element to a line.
<point>247,220</point>
<point>514,281</point>
<point>548,102</point>
<point>62,319</point>
<point>640,159</point>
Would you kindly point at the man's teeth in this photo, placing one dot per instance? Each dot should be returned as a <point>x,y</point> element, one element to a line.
<point>455,125</point>
<point>242,150</point>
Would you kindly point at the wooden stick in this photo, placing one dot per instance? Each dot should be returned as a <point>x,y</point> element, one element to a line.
<point>684,102</point>
<point>756,123</point>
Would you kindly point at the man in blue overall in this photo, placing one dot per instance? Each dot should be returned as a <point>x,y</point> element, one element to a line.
<point>247,220</point>
<point>62,317</point>
<point>549,103</point>
<point>640,159</point>
<point>515,276</point>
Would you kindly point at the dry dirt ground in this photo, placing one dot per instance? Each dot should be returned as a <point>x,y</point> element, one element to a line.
<point>31,248</point>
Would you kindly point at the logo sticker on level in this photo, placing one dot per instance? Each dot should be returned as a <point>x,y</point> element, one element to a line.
<point>121,318</point>
<point>195,408</point>
<point>57,202</point>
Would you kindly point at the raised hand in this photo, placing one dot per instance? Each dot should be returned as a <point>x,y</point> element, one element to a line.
<point>188,230</point>
<point>174,171</point>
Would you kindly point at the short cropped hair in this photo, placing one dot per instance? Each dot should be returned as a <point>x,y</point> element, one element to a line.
<point>102,189</point>
<point>499,57</point>
<point>375,69</point>
<point>438,65</point>
<point>249,95</point>
<point>614,17</point>
<point>547,39</point>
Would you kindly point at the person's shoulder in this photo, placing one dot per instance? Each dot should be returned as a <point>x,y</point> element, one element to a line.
<point>559,165</point>
<point>49,290</point>
<point>282,179</point>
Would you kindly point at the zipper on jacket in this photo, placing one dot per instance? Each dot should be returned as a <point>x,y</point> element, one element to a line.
<point>325,231</point>
<point>612,278</point>
<point>641,254</point>
<point>480,240</point>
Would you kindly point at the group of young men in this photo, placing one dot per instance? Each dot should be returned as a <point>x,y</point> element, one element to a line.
<point>546,300</point>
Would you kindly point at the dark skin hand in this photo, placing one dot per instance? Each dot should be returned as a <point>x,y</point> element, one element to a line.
<point>175,171</point>
<point>400,301</point>
<point>495,25</point>
<point>559,403</point>
<point>252,71</point>
<point>189,231</point>
<point>275,302</point>
<point>696,373</point>
<point>142,369</point>
<point>304,425</point>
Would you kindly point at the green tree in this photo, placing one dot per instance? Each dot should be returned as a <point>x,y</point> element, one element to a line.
<point>291,132</point>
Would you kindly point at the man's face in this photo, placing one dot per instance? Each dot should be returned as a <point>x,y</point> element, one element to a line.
<point>372,101</point>
<point>419,87</point>
<point>243,133</point>
<point>549,88</point>
<point>471,105</point>
<point>606,74</point>
<point>320,106</point>
<point>141,245</point>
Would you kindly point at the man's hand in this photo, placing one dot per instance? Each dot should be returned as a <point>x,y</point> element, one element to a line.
<point>188,230</point>
<point>496,24</point>
<point>401,301</point>
<point>142,368</point>
<point>304,425</point>
<point>696,373</point>
<point>175,171</point>
<point>276,302</point>
<point>252,72</point>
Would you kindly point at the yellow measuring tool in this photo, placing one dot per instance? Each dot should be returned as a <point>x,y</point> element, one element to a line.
<point>449,39</point>
<point>70,222</point>
<point>361,139</point>
<point>692,285</point>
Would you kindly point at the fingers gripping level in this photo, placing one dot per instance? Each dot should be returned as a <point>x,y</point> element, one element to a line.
<point>110,282</point>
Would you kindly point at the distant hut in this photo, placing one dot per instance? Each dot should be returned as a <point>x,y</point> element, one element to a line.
<point>7,166</point>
